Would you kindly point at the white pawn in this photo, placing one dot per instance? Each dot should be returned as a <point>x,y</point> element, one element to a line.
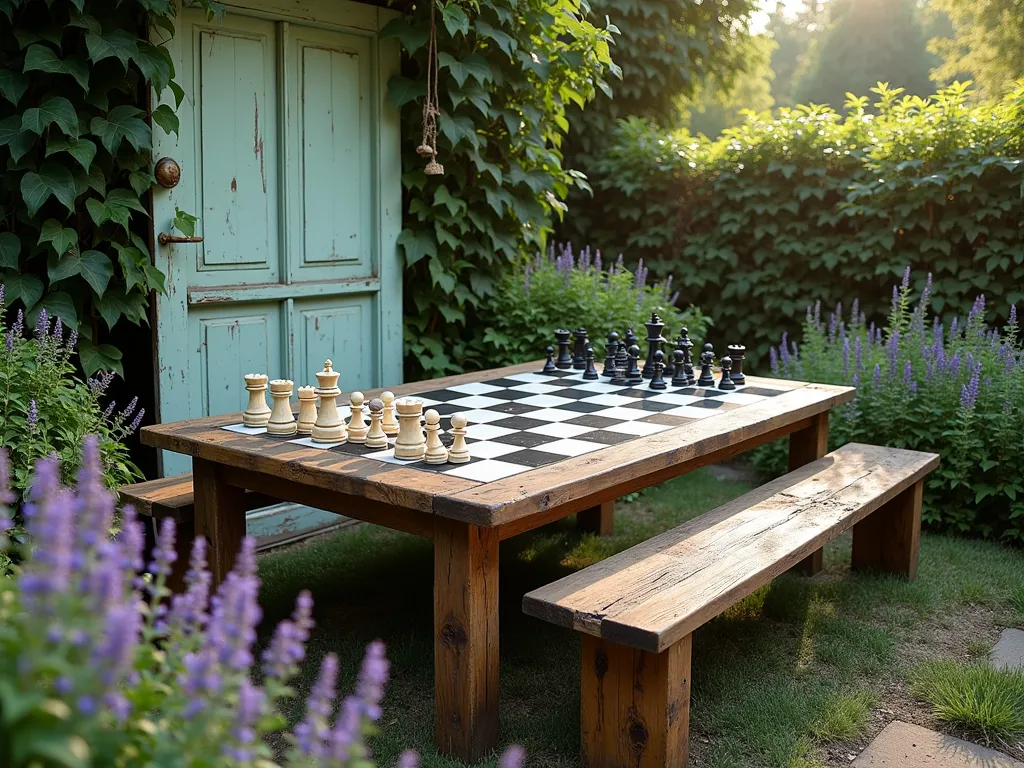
<point>459,452</point>
<point>257,413</point>
<point>410,443</point>
<point>388,423</point>
<point>282,421</point>
<point>307,410</point>
<point>376,437</point>
<point>357,429</point>
<point>436,452</point>
<point>329,426</point>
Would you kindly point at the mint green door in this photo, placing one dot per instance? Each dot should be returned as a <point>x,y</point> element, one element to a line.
<point>289,155</point>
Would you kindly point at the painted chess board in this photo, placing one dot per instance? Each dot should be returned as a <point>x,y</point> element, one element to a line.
<point>527,420</point>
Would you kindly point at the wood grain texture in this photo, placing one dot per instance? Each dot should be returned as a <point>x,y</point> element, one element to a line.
<point>174,497</point>
<point>805,446</point>
<point>655,593</point>
<point>219,517</point>
<point>599,519</point>
<point>465,639</point>
<point>889,539</point>
<point>634,705</point>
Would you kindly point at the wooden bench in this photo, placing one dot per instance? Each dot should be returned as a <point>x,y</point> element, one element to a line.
<point>637,610</point>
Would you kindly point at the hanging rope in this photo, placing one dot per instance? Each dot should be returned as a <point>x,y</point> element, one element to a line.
<point>431,110</point>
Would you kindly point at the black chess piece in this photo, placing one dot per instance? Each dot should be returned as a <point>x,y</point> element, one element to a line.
<point>658,372</point>
<point>610,348</point>
<point>679,376</point>
<point>654,341</point>
<point>591,372</point>
<point>687,346</point>
<point>564,360</point>
<point>738,353</point>
<point>726,382</point>
<point>633,374</point>
<point>579,356</point>
<point>670,360</point>
<point>622,359</point>
<point>549,365</point>
<point>707,359</point>
<point>631,338</point>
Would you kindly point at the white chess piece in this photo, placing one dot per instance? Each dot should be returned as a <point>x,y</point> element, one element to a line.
<point>376,437</point>
<point>282,421</point>
<point>388,423</point>
<point>410,443</point>
<point>257,413</point>
<point>436,453</point>
<point>357,428</point>
<point>329,426</point>
<point>459,452</point>
<point>307,410</point>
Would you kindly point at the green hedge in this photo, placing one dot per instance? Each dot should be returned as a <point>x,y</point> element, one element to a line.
<point>811,203</point>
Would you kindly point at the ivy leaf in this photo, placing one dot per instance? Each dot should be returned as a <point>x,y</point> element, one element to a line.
<point>91,179</point>
<point>57,304</point>
<point>83,150</point>
<point>112,306</point>
<point>86,22</point>
<point>68,265</point>
<point>118,43</point>
<point>140,181</point>
<point>440,277</point>
<point>10,127</point>
<point>52,179</point>
<point>474,66</point>
<point>164,117</point>
<point>125,198</point>
<point>59,236</point>
<point>43,59</point>
<point>154,278</point>
<point>99,357</point>
<point>184,222</point>
<point>455,129</point>
<point>37,33</point>
<point>122,123</point>
<point>455,19</point>
<point>10,249</point>
<point>504,41</point>
<point>131,261</point>
<point>412,36</point>
<point>402,90</point>
<point>57,110</point>
<point>13,85</point>
<point>179,93</point>
<point>28,288</point>
<point>417,244</point>
<point>23,142</point>
<point>97,270</point>
<point>154,61</point>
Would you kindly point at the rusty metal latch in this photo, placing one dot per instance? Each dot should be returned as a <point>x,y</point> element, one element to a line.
<point>163,238</point>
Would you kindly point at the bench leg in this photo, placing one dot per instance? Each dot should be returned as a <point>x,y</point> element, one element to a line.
<point>219,516</point>
<point>635,706</point>
<point>888,538</point>
<point>599,519</point>
<point>805,446</point>
<point>465,639</point>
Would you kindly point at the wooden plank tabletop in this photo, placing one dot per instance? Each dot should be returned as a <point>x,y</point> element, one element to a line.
<point>609,471</point>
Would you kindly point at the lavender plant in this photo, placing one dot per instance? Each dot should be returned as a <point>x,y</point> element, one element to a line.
<point>46,408</point>
<point>568,290</point>
<point>957,391</point>
<point>100,666</point>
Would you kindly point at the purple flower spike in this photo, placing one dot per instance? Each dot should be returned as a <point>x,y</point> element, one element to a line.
<point>855,312</point>
<point>513,757</point>
<point>19,324</point>
<point>73,340</point>
<point>120,636</point>
<point>906,279</point>
<point>287,649</point>
<point>978,310</point>
<point>250,705</point>
<point>846,356</point>
<point>164,553</point>
<point>908,374</point>
<point>969,391</point>
<point>33,415</point>
<point>1013,315</point>
<point>372,677</point>
<point>878,374</point>
<point>42,324</point>
<point>136,421</point>
<point>773,358</point>
<point>409,759</point>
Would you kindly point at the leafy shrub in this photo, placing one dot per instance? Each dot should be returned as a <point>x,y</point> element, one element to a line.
<point>956,391</point>
<point>46,409</point>
<point>99,667</point>
<point>788,207</point>
<point>75,145</point>
<point>562,291</point>
<point>508,71</point>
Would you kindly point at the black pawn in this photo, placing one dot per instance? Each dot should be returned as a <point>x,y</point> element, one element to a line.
<point>564,360</point>
<point>658,374</point>
<point>579,357</point>
<point>738,353</point>
<point>591,372</point>
<point>610,348</point>
<point>686,345</point>
<point>679,373</point>
<point>726,381</point>
<point>707,359</point>
<point>633,375</point>
<point>622,359</point>
<point>549,366</point>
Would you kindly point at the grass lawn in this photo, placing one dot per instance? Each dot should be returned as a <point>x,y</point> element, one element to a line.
<point>799,675</point>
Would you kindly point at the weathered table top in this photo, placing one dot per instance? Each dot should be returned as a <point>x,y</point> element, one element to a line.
<point>611,471</point>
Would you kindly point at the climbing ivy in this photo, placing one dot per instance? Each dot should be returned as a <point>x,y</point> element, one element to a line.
<point>508,71</point>
<point>75,145</point>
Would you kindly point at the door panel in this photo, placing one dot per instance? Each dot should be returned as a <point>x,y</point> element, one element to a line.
<point>339,330</point>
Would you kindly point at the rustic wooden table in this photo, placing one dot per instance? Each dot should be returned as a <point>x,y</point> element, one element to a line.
<point>467,519</point>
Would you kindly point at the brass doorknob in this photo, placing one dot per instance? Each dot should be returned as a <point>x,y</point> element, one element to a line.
<point>167,172</point>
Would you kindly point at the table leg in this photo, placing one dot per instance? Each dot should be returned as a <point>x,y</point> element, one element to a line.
<point>465,638</point>
<point>599,519</point>
<point>805,446</point>
<point>219,516</point>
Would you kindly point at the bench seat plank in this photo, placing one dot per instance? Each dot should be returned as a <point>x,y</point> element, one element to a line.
<point>659,591</point>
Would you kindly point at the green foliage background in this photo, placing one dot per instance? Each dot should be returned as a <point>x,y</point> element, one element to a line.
<point>509,71</point>
<point>811,203</point>
<point>75,148</point>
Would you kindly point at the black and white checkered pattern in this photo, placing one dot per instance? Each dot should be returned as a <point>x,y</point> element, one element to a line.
<point>526,420</point>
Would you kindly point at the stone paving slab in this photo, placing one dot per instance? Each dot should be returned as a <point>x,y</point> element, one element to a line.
<point>1009,651</point>
<point>902,745</point>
